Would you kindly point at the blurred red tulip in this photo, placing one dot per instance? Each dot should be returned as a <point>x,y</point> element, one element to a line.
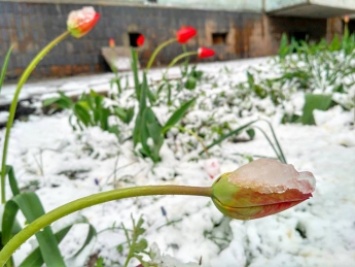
<point>111,42</point>
<point>140,40</point>
<point>204,52</point>
<point>80,22</point>
<point>185,33</point>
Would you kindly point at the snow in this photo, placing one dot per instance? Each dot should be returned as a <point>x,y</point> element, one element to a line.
<point>65,165</point>
<point>268,176</point>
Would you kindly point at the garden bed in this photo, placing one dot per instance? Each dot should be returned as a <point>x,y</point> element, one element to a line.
<point>61,165</point>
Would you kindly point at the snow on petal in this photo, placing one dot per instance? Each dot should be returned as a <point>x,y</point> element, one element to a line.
<point>271,176</point>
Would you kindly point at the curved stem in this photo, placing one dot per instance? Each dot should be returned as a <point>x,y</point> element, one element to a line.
<point>181,56</point>
<point>157,50</point>
<point>4,66</point>
<point>177,59</point>
<point>88,201</point>
<point>14,103</point>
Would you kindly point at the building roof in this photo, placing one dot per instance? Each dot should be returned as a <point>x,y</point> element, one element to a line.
<point>310,8</point>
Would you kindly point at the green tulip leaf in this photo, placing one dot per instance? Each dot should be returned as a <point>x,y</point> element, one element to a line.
<point>178,115</point>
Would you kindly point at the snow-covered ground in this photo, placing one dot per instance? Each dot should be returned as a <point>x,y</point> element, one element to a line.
<point>64,165</point>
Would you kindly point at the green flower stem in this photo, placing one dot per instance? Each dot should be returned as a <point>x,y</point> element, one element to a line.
<point>134,66</point>
<point>181,56</point>
<point>14,103</point>
<point>177,59</point>
<point>157,50</point>
<point>88,201</point>
<point>4,66</point>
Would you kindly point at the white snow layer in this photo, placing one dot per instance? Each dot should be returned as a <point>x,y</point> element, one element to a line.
<point>63,165</point>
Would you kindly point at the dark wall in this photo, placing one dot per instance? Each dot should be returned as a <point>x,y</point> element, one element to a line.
<point>30,26</point>
<point>351,25</point>
<point>301,29</point>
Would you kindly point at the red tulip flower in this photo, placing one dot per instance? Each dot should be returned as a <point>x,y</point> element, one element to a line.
<point>80,22</point>
<point>140,40</point>
<point>204,52</point>
<point>261,188</point>
<point>185,33</point>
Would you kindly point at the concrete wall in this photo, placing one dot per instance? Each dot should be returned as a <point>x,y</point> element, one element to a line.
<point>83,2</point>
<point>240,5</point>
<point>29,26</point>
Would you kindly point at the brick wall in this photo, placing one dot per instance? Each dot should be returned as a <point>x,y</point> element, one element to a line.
<point>30,26</point>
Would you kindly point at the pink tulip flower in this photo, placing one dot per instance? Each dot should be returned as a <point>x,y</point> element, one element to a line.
<point>80,22</point>
<point>261,188</point>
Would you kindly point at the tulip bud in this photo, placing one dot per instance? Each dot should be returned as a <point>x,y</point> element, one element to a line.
<point>261,188</point>
<point>140,40</point>
<point>80,22</point>
<point>204,52</point>
<point>185,33</point>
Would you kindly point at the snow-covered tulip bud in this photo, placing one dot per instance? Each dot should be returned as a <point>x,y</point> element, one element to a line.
<point>80,22</point>
<point>261,188</point>
<point>212,167</point>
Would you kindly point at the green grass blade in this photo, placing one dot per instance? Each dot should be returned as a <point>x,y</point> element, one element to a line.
<point>62,101</point>
<point>8,221</point>
<point>144,135</point>
<point>8,218</point>
<point>90,235</point>
<point>312,102</point>
<point>152,98</point>
<point>81,111</point>
<point>154,131</point>
<point>104,119</point>
<point>32,208</point>
<point>227,135</point>
<point>270,143</point>
<point>282,154</point>
<point>134,66</point>
<point>139,123</point>
<point>178,115</point>
<point>284,48</point>
<point>35,257</point>
<point>12,180</point>
<point>4,67</point>
<point>125,115</point>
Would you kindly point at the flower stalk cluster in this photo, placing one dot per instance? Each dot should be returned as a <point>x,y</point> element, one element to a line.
<point>183,35</point>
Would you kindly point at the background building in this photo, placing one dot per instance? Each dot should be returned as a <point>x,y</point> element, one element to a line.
<point>235,29</point>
